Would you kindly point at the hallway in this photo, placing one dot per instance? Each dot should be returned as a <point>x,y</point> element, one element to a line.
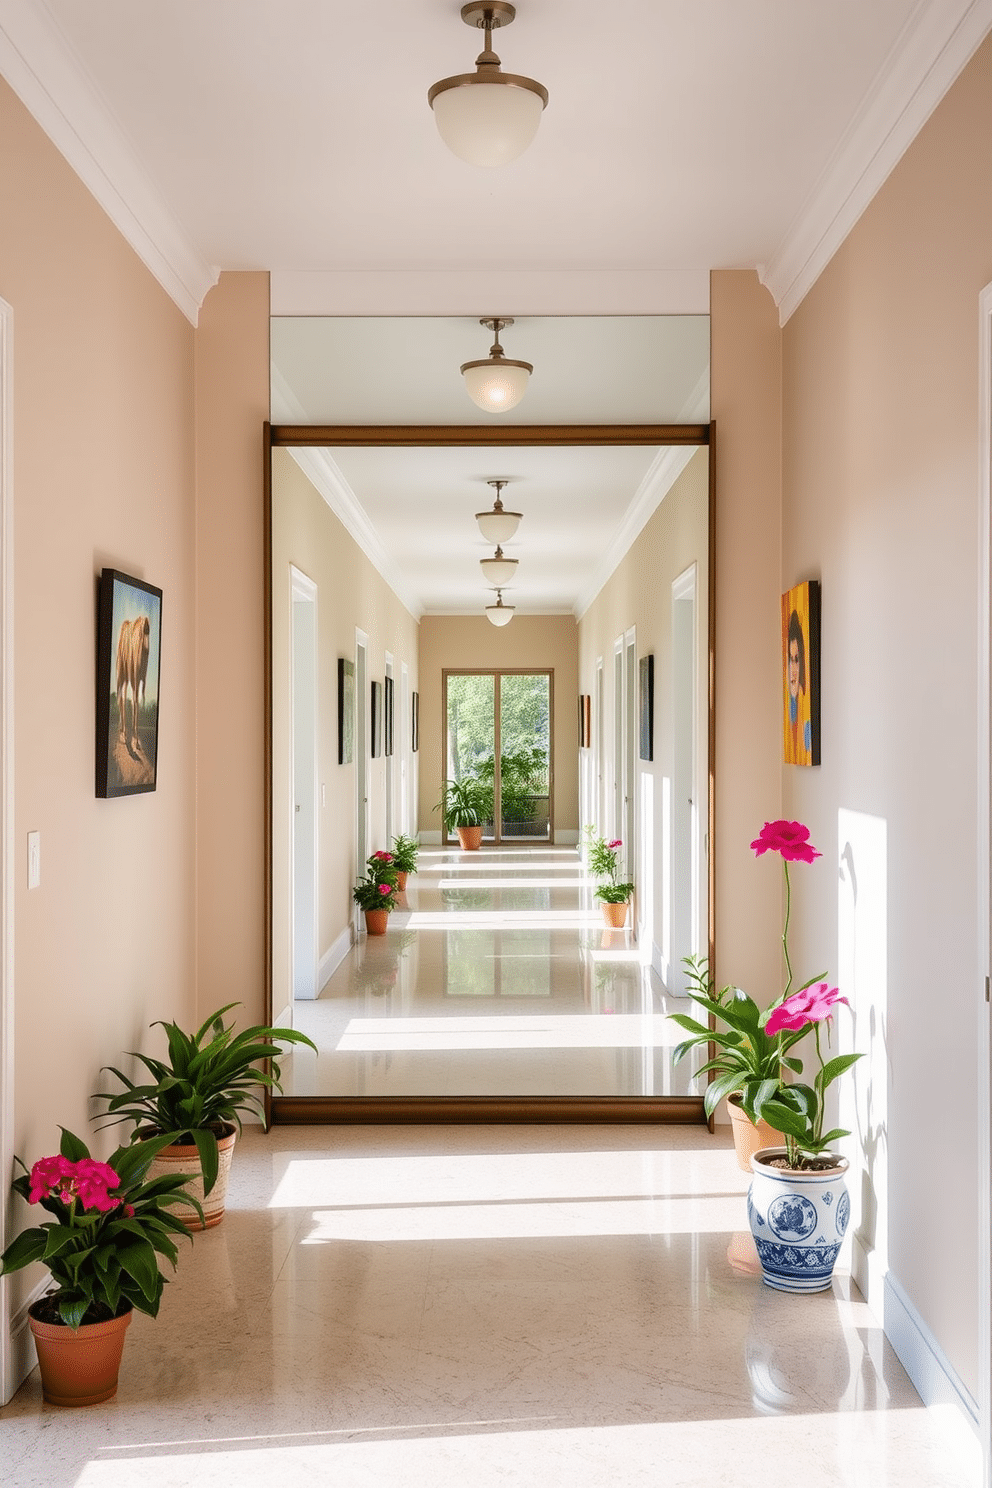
<point>495,977</point>
<point>430,1307</point>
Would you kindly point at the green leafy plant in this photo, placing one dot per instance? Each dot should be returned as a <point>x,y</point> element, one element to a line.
<point>604,863</point>
<point>108,1230</point>
<point>754,1059</point>
<point>523,781</point>
<point>406,851</point>
<point>465,803</point>
<point>200,1091</point>
<point>378,888</point>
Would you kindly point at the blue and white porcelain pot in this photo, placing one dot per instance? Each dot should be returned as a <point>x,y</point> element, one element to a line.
<point>798,1220</point>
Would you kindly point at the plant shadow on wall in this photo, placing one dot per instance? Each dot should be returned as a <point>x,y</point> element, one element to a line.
<point>758,1063</point>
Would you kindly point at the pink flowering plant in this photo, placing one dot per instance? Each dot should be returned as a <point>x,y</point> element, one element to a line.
<point>755,1055</point>
<point>605,864</point>
<point>378,888</point>
<point>109,1227</point>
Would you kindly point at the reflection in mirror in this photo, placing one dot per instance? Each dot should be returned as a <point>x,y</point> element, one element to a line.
<point>497,988</point>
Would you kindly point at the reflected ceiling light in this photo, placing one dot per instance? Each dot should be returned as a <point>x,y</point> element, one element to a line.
<point>498,571</point>
<point>498,526</point>
<point>499,613</point>
<point>487,117</point>
<point>496,384</point>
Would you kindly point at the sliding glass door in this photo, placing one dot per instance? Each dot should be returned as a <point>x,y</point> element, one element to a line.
<point>498,728</point>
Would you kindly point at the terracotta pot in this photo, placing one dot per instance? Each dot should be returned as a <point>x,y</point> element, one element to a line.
<point>186,1159</point>
<point>470,838</point>
<point>79,1366</point>
<point>401,874</point>
<point>615,915</point>
<point>748,1138</point>
<point>376,921</point>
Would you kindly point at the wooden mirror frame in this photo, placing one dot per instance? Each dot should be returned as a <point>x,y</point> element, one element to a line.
<point>377,1110</point>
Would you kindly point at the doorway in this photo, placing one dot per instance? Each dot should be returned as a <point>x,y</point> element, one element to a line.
<point>498,728</point>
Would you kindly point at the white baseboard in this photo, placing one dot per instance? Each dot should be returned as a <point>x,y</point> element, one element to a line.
<point>333,956</point>
<point>934,1377</point>
<point>23,1356</point>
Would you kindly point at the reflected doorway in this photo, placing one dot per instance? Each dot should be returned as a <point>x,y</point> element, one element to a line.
<point>498,727</point>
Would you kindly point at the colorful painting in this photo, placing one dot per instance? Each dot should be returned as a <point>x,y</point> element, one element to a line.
<point>801,674</point>
<point>129,642</point>
<point>646,699</point>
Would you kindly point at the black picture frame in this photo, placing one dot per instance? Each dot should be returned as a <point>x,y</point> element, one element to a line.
<point>387,717</point>
<point>415,722</point>
<point>346,711</point>
<point>646,699</point>
<point>375,735</point>
<point>128,662</point>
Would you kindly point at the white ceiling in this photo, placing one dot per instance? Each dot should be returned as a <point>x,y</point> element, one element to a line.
<point>680,136</point>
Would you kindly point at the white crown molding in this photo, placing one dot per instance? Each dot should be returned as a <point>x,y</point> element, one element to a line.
<point>935,45</point>
<point>318,467</point>
<point>661,477</point>
<point>324,474</point>
<point>47,77</point>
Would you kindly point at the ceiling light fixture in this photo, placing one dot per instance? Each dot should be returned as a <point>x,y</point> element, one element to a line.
<point>487,117</point>
<point>498,571</point>
<point>498,526</point>
<point>499,613</point>
<point>496,384</point>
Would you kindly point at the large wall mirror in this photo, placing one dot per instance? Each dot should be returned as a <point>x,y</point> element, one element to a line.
<point>496,993</point>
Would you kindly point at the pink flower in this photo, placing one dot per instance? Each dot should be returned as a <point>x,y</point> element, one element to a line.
<point>47,1175</point>
<point>617,843</point>
<point>93,1179</point>
<point>791,839</point>
<point>811,1005</point>
<point>385,888</point>
<point>383,857</point>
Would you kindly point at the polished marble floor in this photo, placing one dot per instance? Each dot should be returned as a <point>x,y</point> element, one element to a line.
<point>417,1307</point>
<point>495,977</point>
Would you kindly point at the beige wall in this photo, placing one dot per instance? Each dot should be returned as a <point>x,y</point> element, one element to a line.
<point>639,595</point>
<point>537,641</point>
<point>880,416</point>
<point>103,476</point>
<point>351,593</point>
<point>232,403</point>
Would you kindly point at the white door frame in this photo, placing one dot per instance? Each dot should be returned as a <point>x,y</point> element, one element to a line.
<point>683,869</point>
<point>362,761</point>
<point>984,816</point>
<point>9,1372</point>
<point>303,591</point>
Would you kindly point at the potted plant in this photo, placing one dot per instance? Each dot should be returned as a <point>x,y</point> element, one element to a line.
<point>604,862</point>
<point>376,892</point>
<point>750,1063</point>
<point>405,853</point>
<point>196,1097</point>
<point>464,806</point>
<point>110,1224</point>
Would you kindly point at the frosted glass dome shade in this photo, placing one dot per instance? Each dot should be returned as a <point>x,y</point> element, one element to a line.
<point>498,526</point>
<point>487,122</point>
<point>498,570</point>
<point>496,385</point>
<point>499,613</point>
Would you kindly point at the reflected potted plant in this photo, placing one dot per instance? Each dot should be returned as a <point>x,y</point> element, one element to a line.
<point>465,806</point>
<point>111,1221</point>
<point>196,1098</point>
<point>375,894</point>
<point>603,859</point>
<point>406,851</point>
